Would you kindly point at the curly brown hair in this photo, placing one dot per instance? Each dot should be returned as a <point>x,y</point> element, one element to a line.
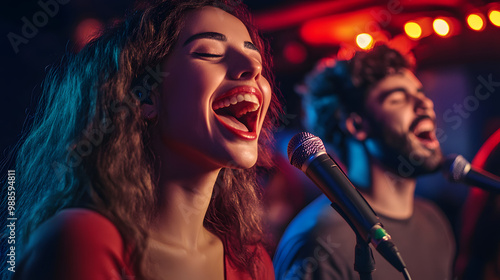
<point>336,88</point>
<point>88,138</point>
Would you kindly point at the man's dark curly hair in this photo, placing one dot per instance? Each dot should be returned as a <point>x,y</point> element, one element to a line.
<point>336,88</point>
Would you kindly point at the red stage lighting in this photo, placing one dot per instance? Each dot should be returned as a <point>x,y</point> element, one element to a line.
<point>87,30</point>
<point>295,52</point>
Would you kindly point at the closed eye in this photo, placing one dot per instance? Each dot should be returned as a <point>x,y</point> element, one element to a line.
<point>209,55</point>
<point>392,96</point>
<point>396,97</point>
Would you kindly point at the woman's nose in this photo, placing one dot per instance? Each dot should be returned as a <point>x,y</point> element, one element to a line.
<point>244,67</point>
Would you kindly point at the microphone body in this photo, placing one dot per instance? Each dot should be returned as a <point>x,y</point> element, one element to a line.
<point>332,181</point>
<point>307,152</point>
<point>458,170</point>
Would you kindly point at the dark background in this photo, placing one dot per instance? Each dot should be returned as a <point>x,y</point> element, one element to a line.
<point>450,69</point>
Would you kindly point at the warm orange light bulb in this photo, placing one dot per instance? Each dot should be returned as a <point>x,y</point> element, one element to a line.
<point>494,16</point>
<point>441,27</point>
<point>475,22</point>
<point>364,41</point>
<point>413,30</point>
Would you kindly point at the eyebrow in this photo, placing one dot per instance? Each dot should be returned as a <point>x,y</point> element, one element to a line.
<point>251,46</point>
<point>218,37</point>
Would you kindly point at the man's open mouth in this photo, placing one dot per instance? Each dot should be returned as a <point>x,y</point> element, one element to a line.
<point>424,130</point>
<point>238,110</point>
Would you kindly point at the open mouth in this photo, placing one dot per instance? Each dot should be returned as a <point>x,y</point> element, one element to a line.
<point>238,111</point>
<point>424,135</point>
<point>424,130</point>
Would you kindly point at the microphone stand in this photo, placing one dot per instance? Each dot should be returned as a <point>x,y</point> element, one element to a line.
<point>364,263</point>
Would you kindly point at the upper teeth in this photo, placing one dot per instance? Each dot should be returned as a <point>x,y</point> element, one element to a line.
<point>232,100</point>
<point>424,126</point>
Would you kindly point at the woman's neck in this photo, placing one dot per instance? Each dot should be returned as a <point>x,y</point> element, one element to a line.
<point>184,191</point>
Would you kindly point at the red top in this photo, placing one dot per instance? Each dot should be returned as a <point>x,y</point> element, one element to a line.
<point>81,244</point>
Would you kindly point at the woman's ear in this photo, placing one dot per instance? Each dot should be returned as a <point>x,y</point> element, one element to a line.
<point>149,105</point>
<point>357,126</point>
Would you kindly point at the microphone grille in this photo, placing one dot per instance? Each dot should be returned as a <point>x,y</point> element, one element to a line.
<point>302,146</point>
<point>455,168</point>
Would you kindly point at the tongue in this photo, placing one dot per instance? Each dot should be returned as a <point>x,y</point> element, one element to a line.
<point>232,122</point>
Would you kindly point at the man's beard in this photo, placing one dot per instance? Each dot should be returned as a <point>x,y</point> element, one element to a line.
<point>398,152</point>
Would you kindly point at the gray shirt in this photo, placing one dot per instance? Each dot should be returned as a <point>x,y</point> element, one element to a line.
<point>319,244</point>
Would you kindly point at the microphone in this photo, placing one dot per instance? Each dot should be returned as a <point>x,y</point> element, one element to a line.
<point>458,170</point>
<point>307,153</point>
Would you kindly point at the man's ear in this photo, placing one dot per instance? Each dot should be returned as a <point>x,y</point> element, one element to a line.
<point>357,126</point>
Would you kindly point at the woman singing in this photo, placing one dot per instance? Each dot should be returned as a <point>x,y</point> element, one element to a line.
<point>143,157</point>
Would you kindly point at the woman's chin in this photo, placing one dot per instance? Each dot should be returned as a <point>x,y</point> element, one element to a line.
<point>241,161</point>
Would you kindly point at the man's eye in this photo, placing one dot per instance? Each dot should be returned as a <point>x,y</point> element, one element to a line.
<point>396,97</point>
<point>206,54</point>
